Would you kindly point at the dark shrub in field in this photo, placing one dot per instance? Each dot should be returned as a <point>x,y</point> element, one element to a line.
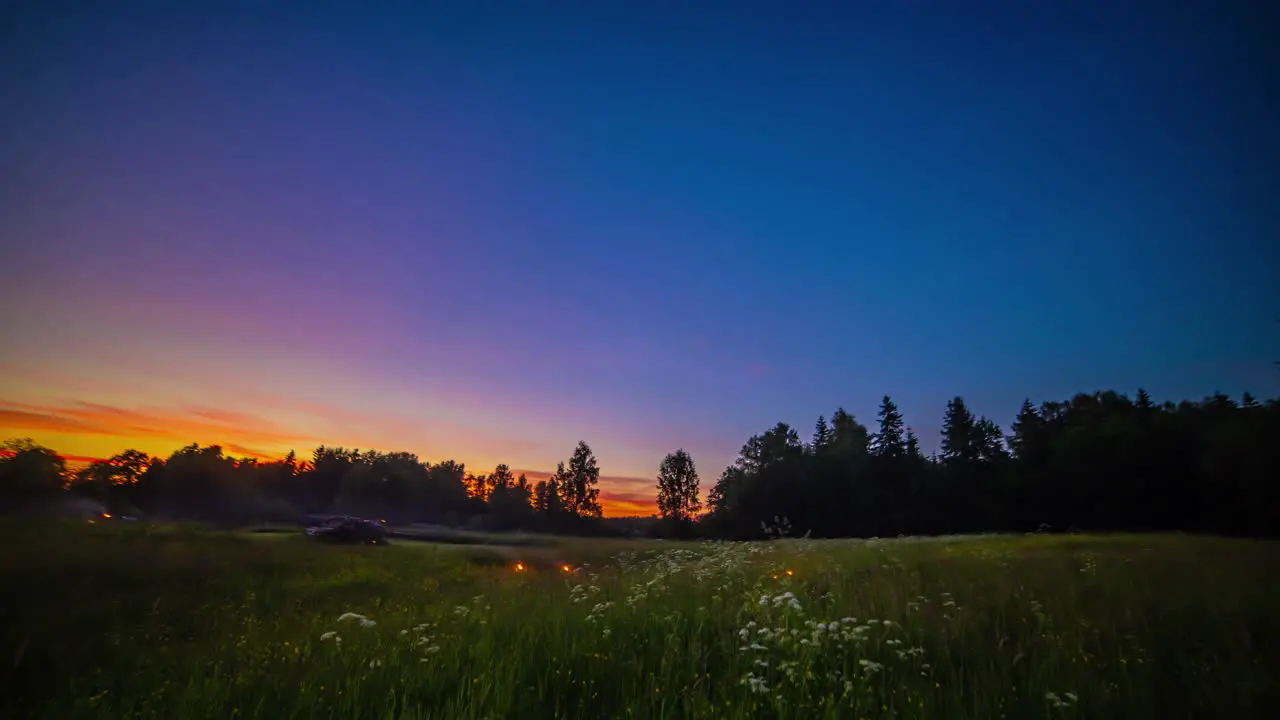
<point>350,531</point>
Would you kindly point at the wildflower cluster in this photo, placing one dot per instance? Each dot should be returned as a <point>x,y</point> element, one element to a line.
<point>424,640</point>
<point>580,592</point>
<point>597,610</point>
<point>790,653</point>
<point>335,638</point>
<point>788,599</point>
<point>332,636</point>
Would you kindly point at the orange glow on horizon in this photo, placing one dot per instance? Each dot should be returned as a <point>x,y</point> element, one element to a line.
<point>85,432</point>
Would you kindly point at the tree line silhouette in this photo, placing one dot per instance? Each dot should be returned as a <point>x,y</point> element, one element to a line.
<point>1099,461</point>
<point>1096,462</point>
<point>203,484</point>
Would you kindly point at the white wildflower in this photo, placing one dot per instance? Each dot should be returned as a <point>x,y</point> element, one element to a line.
<point>1057,702</point>
<point>757,684</point>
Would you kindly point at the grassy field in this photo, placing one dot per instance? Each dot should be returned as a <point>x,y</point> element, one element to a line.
<point>131,621</point>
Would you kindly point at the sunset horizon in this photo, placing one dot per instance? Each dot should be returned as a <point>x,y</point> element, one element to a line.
<point>640,360</point>
<point>83,432</point>
<point>488,236</point>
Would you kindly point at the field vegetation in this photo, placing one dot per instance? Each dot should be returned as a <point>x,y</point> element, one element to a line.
<point>140,621</point>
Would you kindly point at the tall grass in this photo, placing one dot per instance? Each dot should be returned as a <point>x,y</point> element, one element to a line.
<point>168,622</point>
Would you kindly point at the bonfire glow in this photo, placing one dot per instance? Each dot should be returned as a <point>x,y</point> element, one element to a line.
<point>519,567</point>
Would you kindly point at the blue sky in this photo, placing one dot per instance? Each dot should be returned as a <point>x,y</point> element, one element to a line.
<point>644,225</point>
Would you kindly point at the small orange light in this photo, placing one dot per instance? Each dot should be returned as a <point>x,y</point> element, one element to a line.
<point>566,568</point>
<point>106,515</point>
<point>790,573</point>
<point>775,577</point>
<point>519,567</point>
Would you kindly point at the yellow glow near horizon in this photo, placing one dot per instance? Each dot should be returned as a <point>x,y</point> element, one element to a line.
<point>84,431</point>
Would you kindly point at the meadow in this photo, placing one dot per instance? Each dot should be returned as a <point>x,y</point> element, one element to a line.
<point>132,621</point>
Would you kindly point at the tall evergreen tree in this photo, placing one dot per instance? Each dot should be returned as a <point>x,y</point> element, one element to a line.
<point>890,442</point>
<point>821,435</point>
<point>1025,431</point>
<point>1144,400</point>
<point>913,446</point>
<point>958,434</point>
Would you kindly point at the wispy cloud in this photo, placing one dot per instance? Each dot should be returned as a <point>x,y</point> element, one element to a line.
<point>18,418</point>
<point>238,433</point>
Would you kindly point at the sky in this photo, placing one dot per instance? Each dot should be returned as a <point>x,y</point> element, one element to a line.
<point>485,231</point>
